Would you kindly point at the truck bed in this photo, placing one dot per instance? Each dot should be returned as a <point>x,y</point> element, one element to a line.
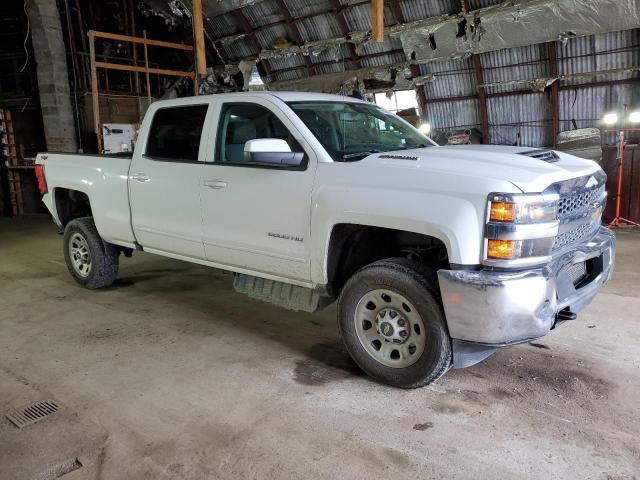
<point>103,179</point>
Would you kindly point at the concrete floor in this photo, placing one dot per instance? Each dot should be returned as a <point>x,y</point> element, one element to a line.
<point>172,375</point>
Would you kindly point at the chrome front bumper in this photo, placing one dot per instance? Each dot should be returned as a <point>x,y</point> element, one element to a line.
<point>488,309</point>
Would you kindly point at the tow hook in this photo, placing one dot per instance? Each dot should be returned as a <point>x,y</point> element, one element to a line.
<point>562,316</point>
<point>565,314</point>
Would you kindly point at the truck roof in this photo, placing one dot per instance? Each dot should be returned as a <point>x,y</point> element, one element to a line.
<point>311,96</point>
<point>284,96</point>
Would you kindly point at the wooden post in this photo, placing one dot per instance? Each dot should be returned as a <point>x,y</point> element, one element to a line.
<point>198,33</point>
<point>146,42</point>
<point>482,99</point>
<point>146,66</point>
<point>377,21</point>
<point>134,46</point>
<point>94,91</point>
<point>555,93</point>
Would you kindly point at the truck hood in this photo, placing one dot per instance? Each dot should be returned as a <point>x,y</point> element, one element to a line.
<point>499,162</point>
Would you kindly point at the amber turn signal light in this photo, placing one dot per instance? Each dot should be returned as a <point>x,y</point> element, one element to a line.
<point>501,249</point>
<point>502,212</point>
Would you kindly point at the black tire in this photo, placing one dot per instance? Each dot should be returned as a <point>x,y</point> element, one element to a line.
<point>103,256</point>
<point>414,282</point>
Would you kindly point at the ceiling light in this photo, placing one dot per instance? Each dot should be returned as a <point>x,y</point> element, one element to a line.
<point>610,118</point>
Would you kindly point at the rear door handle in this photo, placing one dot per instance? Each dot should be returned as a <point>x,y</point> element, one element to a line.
<point>215,184</point>
<point>141,177</point>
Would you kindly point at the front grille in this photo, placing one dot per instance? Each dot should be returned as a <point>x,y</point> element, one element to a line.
<point>576,235</point>
<point>575,202</point>
<point>578,207</point>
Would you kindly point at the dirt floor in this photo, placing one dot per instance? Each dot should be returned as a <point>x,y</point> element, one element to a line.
<point>172,375</point>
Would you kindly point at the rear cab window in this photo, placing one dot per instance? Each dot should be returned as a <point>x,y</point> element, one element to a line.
<point>175,133</point>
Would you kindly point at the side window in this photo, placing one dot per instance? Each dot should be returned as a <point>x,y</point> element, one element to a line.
<point>241,122</point>
<point>175,133</point>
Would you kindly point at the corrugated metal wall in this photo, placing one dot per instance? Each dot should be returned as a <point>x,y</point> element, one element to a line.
<point>525,117</point>
<point>522,122</point>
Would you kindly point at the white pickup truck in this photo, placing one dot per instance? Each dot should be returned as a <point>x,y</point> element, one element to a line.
<point>436,255</point>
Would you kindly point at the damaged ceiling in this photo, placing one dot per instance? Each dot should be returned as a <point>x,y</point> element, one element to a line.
<point>325,44</point>
<point>518,71</point>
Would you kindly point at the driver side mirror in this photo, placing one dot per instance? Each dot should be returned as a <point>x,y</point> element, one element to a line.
<point>271,152</point>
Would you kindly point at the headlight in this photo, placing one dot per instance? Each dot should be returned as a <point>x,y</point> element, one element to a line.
<point>520,228</point>
<point>523,208</point>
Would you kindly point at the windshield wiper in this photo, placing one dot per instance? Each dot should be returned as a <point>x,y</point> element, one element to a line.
<point>346,157</point>
<point>421,145</point>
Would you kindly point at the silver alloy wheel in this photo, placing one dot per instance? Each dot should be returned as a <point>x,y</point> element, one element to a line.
<point>79,255</point>
<point>390,328</point>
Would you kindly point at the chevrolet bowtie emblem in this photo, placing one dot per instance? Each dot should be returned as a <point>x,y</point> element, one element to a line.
<point>592,182</point>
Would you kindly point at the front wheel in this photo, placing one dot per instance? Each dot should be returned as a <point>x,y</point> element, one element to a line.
<point>91,261</point>
<point>393,325</point>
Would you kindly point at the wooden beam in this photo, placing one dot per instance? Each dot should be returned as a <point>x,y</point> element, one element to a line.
<point>482,99</point>
<point>94,91</point>
<point>134,47</point>
<point>198,34</point>
<point>153,43</point>
<point>133,68</point>
<point>555,93</point>
<point>377,20</point>
<point>146,66</point>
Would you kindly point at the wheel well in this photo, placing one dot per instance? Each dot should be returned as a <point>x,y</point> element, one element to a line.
<point>352,246</point>
<point>71,204</point>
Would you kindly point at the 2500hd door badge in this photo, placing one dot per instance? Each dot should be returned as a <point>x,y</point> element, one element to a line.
<point>284,236</point>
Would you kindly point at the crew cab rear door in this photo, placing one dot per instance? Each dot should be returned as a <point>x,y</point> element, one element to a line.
<point>256,218</point>
<point>165,179</point>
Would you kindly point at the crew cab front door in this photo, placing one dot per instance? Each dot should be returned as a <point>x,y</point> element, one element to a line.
<point>164,183</point>
<point>256,218</point>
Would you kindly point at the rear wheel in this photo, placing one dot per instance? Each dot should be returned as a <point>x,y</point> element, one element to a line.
<point>392,323</point>
<point>91,261</point>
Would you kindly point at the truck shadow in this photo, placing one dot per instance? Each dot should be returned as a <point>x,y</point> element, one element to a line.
<point>208,305</point>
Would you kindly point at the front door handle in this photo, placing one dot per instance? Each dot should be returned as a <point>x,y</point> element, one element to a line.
<point>215,184</point>
<point>141,177</point>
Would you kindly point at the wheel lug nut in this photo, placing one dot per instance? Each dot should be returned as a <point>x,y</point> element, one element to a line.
<point>403,333</point>
<point>401,322</point>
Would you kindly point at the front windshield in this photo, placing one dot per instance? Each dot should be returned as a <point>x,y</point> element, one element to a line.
<point>351,131</point>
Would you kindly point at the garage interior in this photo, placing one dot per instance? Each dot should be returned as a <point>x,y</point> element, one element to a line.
<point>171,374</point>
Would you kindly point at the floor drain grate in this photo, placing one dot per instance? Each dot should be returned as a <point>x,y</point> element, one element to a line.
<point>58,471</point>
<point>33,413</point>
